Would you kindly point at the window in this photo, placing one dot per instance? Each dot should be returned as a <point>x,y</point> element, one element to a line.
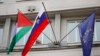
<point>97,31</point>
<point>74,37</point>
<point>42,39</point>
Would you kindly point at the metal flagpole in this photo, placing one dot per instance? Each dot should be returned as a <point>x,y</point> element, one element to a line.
<point>49,21</point>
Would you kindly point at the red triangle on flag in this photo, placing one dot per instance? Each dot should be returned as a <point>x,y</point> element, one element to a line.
<point>22,21</point>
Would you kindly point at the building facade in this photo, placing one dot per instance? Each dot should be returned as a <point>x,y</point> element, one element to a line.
<point>64,15</point>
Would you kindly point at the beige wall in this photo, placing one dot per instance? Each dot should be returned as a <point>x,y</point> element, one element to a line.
<point>51,5</point>
<point>10,8</point>
<point>65,52</point>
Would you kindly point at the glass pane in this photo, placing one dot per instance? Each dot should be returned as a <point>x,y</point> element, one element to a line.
<point>72,36</point>
<point>77,32</point>
<point>98,30</point>
<point>39,40</point>
<point>47,32</point>
<point>95,33</point>
<point>42,39</point>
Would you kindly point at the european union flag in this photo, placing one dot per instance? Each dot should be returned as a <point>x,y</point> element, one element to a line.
<point>86,29</point>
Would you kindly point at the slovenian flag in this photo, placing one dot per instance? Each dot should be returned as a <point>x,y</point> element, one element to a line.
<point>39,25</point>
<point>23,26</point>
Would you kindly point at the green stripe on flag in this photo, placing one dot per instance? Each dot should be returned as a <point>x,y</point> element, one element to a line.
<point>17,37</point>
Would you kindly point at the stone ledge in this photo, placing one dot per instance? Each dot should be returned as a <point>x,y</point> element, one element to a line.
<point>47,48</point>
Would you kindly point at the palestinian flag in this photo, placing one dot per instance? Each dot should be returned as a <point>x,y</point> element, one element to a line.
<point>23,26</point>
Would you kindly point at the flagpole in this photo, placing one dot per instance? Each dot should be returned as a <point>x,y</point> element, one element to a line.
<point>74,28</point>
<point>49,21</point>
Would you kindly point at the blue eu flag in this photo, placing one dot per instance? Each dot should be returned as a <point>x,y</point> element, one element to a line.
<point>86,29</point>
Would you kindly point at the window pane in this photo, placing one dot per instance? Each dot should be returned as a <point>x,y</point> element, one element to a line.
<point>42,38</point>
<point>72,36</point>
<point>39,40</point>
<point>98,30</point>
<point>47,31</point>
<point>78,36</point>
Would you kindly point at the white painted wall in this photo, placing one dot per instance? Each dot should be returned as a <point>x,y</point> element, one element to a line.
<point>6,33</point>
<point>51,5</point>
<point>57,26</point>
<point>65,52</point>
<point>63,31</point>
